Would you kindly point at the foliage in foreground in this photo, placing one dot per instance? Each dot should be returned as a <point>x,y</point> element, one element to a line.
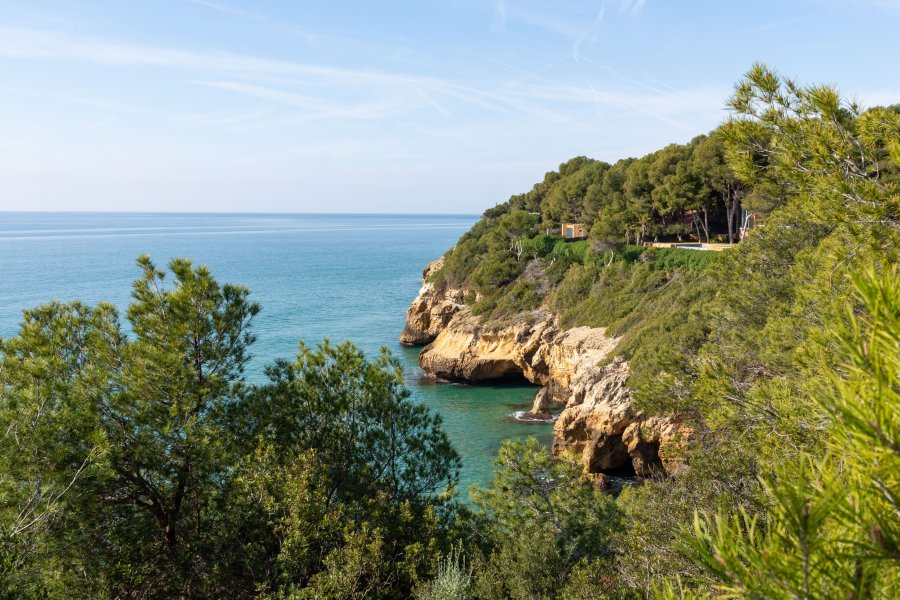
<point>144,465</point>
<point>831,528</point>
<point>541,528</point>
<point>761,376</point>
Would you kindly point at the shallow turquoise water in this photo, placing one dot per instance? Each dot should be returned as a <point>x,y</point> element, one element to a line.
<point>337,276</point>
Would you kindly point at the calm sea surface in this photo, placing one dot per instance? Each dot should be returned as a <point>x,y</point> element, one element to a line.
<point>316,276</point>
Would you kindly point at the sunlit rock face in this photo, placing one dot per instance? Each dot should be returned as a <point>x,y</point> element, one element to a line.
<point>601,426</point>
<point>574,368</point>
<point>431,311</point>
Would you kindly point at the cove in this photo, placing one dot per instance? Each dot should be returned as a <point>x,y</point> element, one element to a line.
<point>316,276</point>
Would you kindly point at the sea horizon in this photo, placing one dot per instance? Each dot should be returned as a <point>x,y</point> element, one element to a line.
<point>227,212</point>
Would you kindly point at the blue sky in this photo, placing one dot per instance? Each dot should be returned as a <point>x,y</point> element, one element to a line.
<point>384,105</point>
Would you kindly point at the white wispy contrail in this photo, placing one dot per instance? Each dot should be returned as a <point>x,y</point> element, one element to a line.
<point>365,93</point>
<point>590,35</point>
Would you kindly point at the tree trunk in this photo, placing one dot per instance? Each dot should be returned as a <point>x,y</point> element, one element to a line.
<point>706,224</point>
<point>729,216</point>
<point>732,209</point>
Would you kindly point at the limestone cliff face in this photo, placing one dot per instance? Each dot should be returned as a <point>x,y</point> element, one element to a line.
<point>431,311</point>
<point>465,350</point>
<point>598,425</point>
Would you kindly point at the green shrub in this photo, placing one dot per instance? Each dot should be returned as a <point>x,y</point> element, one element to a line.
<point>453,580</point>
<point>485,305</point>
<point>681,259</point>
<point>597,296</point>
<point>540,245</point>
<point>542,524</point>
<point>521,298</point>
<point>630,253</point>
<point>571,251</point>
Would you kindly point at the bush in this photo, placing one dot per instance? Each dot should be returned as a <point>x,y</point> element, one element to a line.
<point>631,253</point>
<point>680,259</point>
<point>540,245</point>
<point>521,298</point>
<point>452,582</point>
<point>542,524</point>
<point>571,251</point>
<point>598,296</point>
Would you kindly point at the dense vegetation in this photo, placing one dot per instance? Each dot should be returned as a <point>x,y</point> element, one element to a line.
<point>136,461</point>
<point>143,465</point>
<point>751,344</point>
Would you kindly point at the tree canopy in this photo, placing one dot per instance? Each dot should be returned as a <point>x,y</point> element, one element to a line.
<point>138,462</point>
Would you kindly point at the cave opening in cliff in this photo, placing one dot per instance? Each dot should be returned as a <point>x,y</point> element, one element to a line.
<point>624,470</point>
<point>511,378</point>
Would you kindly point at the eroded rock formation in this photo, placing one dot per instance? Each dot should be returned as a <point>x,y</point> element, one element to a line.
<point>600,425</point>
<point>431,311</point>
<point>573,367</point>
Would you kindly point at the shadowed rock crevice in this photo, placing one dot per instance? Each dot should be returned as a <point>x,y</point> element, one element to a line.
<point>609,454</point>
<point>626,469</point>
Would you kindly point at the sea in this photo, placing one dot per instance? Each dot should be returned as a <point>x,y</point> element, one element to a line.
<point>316,276</point>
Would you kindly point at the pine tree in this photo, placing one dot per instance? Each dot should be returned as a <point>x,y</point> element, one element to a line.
<point>832,528</point>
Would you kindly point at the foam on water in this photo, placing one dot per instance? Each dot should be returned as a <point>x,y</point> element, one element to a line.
<point>525,416</point>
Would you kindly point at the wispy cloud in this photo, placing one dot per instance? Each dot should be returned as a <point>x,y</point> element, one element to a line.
<point>363,93</point>
<point>643,102</point>
<point>590,34</point>
<point>273,95</point>
<point>317,109</point>
<point>310,37</point>
<point>503,13</point>
<point>675,42</point>
<point>217,118</point>
<point>499,23</point>
<point>664,106</point>
<point>633,7</point>
<point>35,44</point>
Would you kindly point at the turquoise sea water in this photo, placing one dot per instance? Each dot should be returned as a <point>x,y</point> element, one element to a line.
<point>336,276</point>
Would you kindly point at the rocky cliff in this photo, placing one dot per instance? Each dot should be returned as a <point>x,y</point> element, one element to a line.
<point>574,368</point>
<point>431,311</point>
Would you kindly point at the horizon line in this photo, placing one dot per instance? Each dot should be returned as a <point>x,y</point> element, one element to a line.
<point>237,212</point>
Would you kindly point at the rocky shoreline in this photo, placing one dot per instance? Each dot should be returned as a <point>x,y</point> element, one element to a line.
<point>575,368</point>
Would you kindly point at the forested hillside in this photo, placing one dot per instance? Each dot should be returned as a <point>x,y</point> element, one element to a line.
<point>138,462</point>
<point>748,343</point>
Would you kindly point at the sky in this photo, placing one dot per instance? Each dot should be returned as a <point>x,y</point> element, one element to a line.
<point>398,106</point>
